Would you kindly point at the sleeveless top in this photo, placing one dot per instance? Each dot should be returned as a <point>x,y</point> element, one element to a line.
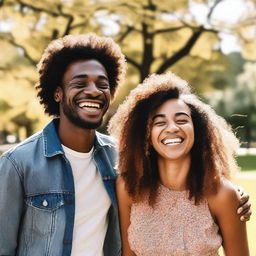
<point>175,226</point>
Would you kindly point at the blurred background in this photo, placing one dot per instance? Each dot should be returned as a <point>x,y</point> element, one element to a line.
<point>211,44</point>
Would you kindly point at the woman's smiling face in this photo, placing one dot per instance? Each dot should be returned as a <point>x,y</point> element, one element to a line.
<point>172,132</point>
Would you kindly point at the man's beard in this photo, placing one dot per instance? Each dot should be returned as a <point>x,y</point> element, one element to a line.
<point>76,120</point>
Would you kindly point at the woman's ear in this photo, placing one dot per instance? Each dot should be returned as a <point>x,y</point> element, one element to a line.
<point>58,94</point>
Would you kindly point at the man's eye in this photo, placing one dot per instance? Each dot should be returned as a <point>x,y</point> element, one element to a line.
<point>103,85</point>
<point>78,84</point>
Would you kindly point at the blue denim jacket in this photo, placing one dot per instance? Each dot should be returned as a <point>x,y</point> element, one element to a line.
<point>37,199</point>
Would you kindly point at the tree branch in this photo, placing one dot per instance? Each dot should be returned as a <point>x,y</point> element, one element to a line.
<point>171,29</point>
<point>38,9</point>
<point>70,19</point>
<point>1,3</point>
<point>212,9</point>
<point>11,40</point>
<point>129,29</point>
<point>133,62</point>
<point>182,52</point>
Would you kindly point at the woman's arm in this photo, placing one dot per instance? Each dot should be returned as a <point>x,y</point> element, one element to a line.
<point>223,206</point>
<point>124,206</point>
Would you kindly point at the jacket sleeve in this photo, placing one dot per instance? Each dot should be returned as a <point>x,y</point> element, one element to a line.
<point>11,205</point>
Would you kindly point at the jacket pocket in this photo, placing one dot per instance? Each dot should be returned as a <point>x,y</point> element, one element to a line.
<point>42,210</point>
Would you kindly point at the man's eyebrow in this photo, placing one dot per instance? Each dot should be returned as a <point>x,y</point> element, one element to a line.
<point>86,76</point>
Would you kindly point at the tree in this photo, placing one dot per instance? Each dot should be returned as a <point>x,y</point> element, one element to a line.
<point>238,104</point>
<point>154,35</point>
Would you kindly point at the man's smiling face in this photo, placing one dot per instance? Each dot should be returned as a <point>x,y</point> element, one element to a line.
<point>85,94</point>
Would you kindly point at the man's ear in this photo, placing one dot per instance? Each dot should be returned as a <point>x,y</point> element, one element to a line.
<point>58,94</point>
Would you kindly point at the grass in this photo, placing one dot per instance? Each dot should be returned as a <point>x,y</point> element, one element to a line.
<point>247,162</point>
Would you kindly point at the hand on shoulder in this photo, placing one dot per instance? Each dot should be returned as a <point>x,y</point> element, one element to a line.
<point>223,206</point>
<point>226,198</point>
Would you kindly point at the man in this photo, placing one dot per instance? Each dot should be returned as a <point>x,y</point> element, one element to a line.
<point>57,194</point>
<point>57,188</point>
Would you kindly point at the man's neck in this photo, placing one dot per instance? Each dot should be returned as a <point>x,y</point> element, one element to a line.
<point>76,138</point>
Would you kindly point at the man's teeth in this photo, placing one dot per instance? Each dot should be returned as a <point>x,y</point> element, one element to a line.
<point>89,105</point>
<point>172,141</point>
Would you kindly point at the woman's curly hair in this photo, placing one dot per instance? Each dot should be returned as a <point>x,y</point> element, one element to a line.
<point>212,154</point>
<point>61,52</point>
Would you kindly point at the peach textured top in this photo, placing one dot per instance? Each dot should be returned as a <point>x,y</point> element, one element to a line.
<point>174,227</point>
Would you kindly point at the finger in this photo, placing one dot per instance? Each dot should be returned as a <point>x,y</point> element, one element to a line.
<point>244,208</point>
<point>246,216</point>
<point>244,198</point>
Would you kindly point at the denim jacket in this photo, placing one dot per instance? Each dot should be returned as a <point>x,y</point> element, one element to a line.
<point>37,199</point>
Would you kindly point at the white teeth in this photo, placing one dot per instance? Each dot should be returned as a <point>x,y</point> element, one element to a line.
<point>89,105</point>
<point>172,141</point>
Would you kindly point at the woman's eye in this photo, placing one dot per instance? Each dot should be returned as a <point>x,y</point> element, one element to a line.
<point>182,121</point>
<point>159,123</point>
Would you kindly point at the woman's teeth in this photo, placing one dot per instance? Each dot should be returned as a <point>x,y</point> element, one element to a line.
<point>172,141</point>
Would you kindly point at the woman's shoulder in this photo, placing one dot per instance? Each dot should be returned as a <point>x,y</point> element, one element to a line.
<point>226,198</point>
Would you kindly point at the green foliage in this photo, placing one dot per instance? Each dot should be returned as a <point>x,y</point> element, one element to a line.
<point>4,106</point>
<point>247,162</point>
<point>237,103</point>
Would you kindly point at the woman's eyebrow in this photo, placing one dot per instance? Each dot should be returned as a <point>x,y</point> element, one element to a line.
<point>158,115</point>
<point>182,113</point>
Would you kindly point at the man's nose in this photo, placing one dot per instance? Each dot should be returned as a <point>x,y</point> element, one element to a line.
<point>92,89</point>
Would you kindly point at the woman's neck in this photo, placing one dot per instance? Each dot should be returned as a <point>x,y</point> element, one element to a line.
<point>173,173</point>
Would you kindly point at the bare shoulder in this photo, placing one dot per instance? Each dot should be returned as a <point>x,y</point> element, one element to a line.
<point>226,198</point>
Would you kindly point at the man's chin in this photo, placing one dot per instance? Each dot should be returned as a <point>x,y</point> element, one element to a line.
<point>81,123</point>
<point>87,125</point>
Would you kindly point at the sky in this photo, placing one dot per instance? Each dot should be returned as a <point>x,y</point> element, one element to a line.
<point>227,11</point>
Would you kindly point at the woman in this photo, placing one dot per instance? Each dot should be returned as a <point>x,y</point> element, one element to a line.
<point>175,155</point>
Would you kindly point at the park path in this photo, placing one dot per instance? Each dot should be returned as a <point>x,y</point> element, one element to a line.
<point>246,175</point>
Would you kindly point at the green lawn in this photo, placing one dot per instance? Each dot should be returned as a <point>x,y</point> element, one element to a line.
<point>247,162</point>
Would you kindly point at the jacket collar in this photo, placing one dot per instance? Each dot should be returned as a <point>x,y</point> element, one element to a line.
<point>100,141</point>
<point>52,143</point>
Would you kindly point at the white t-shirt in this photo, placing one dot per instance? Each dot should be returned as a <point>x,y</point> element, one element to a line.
<point>91,205</point>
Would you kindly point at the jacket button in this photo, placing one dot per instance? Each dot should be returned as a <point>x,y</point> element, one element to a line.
<point>45,203</point>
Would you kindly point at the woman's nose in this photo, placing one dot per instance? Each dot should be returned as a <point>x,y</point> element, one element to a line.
<point>172,127</point>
